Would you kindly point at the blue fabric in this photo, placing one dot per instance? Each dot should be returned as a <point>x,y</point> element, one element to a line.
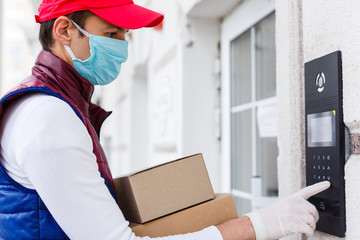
<point>108,185</point>
<point>23,215</point>
<point>39,90</point>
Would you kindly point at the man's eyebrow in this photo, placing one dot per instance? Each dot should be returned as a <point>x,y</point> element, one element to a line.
<point>122,29</point>
<point>117,28</point>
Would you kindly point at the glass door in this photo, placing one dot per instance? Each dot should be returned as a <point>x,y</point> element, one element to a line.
<point>252,116</point>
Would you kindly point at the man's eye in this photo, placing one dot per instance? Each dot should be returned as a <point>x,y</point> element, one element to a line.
<point>111,34</point>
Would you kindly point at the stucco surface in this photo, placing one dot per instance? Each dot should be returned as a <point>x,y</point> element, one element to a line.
<point>352,178</point>
<point>288,61</point>
<point>308,29</point>
<point>331,25</point>
<point>288,72</point>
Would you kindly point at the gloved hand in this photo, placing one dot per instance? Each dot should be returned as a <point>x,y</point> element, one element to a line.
<point>293,214</point>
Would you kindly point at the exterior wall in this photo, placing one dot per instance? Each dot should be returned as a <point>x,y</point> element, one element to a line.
<point>289,94</point>
<point>336,27</point>
<point>200,94</point>
<point>290,97</point>
<point>166,100</point>
<point>143,96</point>
<point>164,85</point>
<point>306,30</point>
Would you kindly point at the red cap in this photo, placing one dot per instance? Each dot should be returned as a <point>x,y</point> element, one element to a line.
<point>122,13</point>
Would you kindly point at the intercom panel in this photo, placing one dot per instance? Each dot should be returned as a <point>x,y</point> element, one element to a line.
<point>325,140</point>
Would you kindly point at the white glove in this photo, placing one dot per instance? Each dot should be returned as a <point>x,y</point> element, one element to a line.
<point>293,214</point>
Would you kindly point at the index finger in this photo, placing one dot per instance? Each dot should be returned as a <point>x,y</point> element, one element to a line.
<point>313,189</point>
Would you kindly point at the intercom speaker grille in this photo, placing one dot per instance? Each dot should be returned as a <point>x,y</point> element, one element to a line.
<point>329,101</point>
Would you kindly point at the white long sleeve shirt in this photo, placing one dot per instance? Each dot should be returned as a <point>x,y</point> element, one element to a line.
<point>45,146</point>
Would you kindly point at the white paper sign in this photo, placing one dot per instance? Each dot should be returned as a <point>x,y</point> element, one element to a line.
<point>267,118</point>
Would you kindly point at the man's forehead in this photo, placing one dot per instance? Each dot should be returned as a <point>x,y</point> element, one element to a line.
<point>95,21</point>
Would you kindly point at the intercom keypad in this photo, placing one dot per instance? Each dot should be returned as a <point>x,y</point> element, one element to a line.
<point>321,167</point>
<point>325,140</point>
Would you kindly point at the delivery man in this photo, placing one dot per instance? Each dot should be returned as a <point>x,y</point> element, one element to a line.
<point>55,182</point>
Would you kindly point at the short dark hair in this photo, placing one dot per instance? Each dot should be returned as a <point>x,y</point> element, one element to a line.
<point>45,34</point>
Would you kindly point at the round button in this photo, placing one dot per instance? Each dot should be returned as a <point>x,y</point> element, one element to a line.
<point>320,81</point>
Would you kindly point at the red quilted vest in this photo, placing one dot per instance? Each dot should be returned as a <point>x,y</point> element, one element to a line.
<point>52,75</point>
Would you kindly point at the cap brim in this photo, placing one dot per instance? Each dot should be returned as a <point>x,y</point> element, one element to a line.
<point>129,16</point>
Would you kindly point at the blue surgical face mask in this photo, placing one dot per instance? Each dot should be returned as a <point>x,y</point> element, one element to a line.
<point>106,56</point>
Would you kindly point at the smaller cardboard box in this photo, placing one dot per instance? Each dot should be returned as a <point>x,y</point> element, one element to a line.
<point>163,189</point>
<point>196,218</point>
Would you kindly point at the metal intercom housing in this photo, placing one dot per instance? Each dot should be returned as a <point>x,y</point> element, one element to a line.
<point>325,140</point>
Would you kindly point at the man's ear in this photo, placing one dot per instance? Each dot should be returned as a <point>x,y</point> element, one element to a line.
<point>63,30</point>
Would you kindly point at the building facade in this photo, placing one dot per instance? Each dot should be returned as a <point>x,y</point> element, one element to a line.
<point>204,81</point>
<point>226,78</point>
<point>222,78</point>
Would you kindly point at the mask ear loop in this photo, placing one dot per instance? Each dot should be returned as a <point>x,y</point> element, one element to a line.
<point>70,52</point>
<point>83,31</point>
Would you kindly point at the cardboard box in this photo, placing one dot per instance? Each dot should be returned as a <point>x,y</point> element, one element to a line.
<point>196,218</point>
<point>163,189</point>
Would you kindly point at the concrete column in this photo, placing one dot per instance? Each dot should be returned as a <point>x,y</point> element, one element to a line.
<point>290,96</point>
